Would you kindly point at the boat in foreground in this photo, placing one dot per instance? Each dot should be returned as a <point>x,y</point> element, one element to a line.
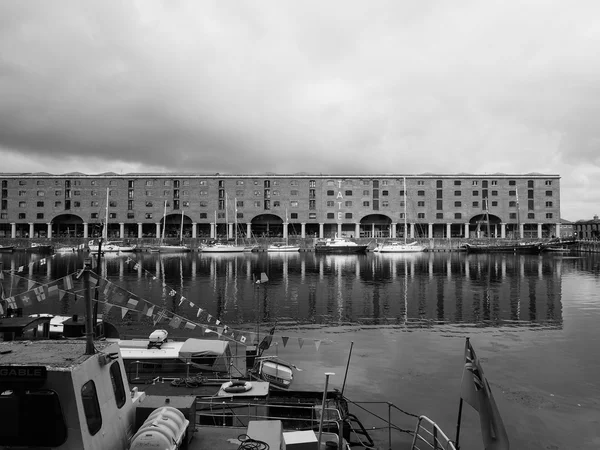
<point>59,394</point>
<point>339,246</point>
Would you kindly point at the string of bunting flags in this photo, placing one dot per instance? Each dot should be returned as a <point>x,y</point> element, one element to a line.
<point>114,296</point>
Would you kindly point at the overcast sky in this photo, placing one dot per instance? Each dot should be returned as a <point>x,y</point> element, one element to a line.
<point>336,86</point>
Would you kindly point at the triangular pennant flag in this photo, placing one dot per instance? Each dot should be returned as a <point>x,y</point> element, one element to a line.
<point>30,284</point>
<point>145,309</point>
<point>218,322</point>
<point>220,331</point>
<point>199,311</point>
<point>191,305</point>
<point>150,311</point>
<point>317,344</point>
<point>208,318</point>
<point>181,301</point>
<point>21,268</point>
<point>172,292</point>
<point>136,267</point>
<point>284,339</point>
<point>243,339</point>
<point>42,261</point>
<point>190,325</point>
<point>107,307</point>
<point>300,342</point>
<point>123,312</point>
<point>61,294</point>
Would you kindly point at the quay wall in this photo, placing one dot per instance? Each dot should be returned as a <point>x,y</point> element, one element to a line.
<point>305,244</point>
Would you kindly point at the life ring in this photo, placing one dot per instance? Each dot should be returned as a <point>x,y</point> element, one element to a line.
<point>236,387</point>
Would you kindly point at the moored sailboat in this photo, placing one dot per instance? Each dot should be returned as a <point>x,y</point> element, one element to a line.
<point>228,246</point>
<point>397,246</point>
<point>170,248</point>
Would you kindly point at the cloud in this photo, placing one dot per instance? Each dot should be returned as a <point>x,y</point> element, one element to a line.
<point>335,87</point>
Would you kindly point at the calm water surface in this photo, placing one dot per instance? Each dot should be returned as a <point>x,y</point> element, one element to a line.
<point>533,321</point>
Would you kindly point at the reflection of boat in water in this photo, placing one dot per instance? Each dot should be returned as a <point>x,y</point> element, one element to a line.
<point>6,248</point>
<point>339,245</point>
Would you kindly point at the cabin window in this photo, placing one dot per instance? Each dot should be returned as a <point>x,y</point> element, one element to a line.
<point>31,418</point>
<point>117,383</point>
<point>91,407</point>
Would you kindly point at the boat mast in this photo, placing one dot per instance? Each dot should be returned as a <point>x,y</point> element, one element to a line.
<point>405,229</point>
<point>162,237</point>
<point>181,229</point>
<point>105,230</point>
<point>235,213</point>
<point>518,216</point>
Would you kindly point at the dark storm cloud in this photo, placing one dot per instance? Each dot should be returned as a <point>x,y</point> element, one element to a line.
<point>326,87</point>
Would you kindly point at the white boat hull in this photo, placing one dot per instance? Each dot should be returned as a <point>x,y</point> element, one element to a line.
<point>282,248</point>
<point>412,247</point>
<point>222,249</point>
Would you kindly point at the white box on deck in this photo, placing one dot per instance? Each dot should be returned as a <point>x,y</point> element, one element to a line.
<point>269,431</point>
<point>300,440</point>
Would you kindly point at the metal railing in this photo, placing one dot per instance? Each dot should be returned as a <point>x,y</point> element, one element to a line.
<point>430,435</point>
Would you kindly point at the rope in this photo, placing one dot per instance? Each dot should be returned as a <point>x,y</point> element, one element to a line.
<point>247,443</point>
<point>190,382</point>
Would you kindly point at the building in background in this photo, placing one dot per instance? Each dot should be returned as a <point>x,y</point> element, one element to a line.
<point>365,205</point>
<point>587,229</point>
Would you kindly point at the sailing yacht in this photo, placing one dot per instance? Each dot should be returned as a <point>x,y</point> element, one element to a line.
<point>224,247</point>
<point>108,246</point>
<point>283,246</point>
<point>170,248</point>
<point>399,246</point>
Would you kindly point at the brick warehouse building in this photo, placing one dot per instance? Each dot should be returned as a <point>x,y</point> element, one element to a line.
<point>41,205</point>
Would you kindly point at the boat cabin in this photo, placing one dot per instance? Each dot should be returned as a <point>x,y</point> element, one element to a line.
<point>52,394</point>
<point>145,361</point>
<point>13,328</point>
